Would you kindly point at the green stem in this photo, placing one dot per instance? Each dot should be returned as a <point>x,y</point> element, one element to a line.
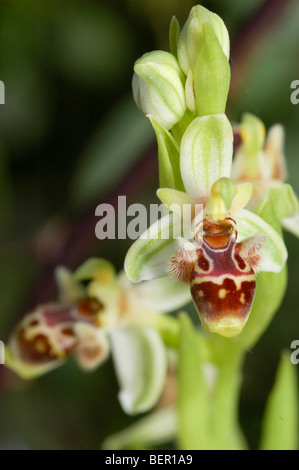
<point>226,431</point>
<point>227,358</point>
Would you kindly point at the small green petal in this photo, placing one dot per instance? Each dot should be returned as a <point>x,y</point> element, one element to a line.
<point>250,160</point>
<point>95,268</point>
<point>253,134</point>
<point>243,196</point>
<point>222,195</point>
<point>140,362</point>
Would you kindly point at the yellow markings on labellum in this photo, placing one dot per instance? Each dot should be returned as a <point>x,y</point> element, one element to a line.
<point>238,280</point>
<point>222,293</point>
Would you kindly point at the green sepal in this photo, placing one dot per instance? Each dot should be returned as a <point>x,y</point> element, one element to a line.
<point>253,134</point>
<point>174,34</point>
<point>206,153</point>
<point>140,362</point>
<point>191,36</point>
<point>169,157</point>
<point>249,155</point>
<point>147,258</point>
<point>211,75</point>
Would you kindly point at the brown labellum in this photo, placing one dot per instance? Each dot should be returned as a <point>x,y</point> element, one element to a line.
<point>223,276</point>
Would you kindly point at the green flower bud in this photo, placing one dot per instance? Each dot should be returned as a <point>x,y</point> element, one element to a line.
<point>211,74</point>
<point>159,87</point>
<point>191,36</point>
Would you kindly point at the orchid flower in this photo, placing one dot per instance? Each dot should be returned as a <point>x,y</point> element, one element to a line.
<point>230,244</point>
<point>99,312</point>
<point>260,160</point>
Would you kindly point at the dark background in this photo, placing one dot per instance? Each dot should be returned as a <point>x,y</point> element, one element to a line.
<point>71,137</point>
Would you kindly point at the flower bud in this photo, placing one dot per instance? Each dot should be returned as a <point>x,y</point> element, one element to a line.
<point>158,87</point>
<point>191,36</point>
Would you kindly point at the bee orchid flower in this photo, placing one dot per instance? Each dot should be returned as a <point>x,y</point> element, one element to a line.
<point>100,313</point>
<point>227,245</point>
<point>260,160</point>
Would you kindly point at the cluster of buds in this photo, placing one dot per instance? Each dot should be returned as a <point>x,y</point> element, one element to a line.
<point>193,78</point>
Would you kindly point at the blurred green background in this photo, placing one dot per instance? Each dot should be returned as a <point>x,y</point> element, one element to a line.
<point>71,137</point>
